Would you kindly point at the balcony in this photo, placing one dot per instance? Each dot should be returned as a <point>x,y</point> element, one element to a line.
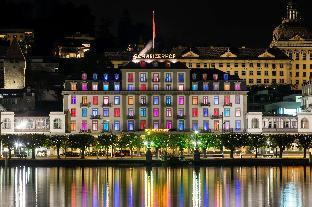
<point>279,130</point>
<point>205,104</point>
<point>85,104</point>
<point>95,117</point>
<point>180,116</point>
<point>130,117</point>
<point>227,104</point>
<point>143,104</point>
<point>216,117</point>
<point>107,105</point>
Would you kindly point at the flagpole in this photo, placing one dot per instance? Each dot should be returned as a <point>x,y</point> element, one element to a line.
<point>154,30</point>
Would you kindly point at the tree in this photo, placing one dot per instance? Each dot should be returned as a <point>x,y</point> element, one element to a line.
<point>232,141</point>
<point>256,141</point>
<point>57,141</point>
<point>81,141</point>
<point>282,141</point>
<point>304,141</point>
<point>107,140</point>
<point>178,141</point>
<point>137,142</point>
<point>131,140</point>
<point>160,140</point>
<point>207,140</point>
<point>33,141</point>
<point>8,141</point>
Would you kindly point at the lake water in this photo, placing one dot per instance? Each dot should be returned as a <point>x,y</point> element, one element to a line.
<point>138,186</point>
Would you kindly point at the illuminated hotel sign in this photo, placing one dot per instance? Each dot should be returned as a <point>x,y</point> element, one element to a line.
<point>154,56</point>
<point>156,130</point>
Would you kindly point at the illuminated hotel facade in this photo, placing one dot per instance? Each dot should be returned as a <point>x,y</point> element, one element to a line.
<point>156,95</point>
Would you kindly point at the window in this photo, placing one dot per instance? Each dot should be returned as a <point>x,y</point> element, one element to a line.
<point>237,99</point>
<point>258,65</point>
<point>194,76</point>
<point>84,125</point>
<point>155,125</point>
<point>95,125</point>
<point>205,65</point>
<point>130,100</point>
<point>227,86</point>
<point>251,72</point>
<point>168,100</point>
<point>205,76</point>
<point>227,125</point>
<point>131,125</point>
<point>156,100</point>
<point>116,112</point>
<point>6,124</point>
<point>84,100</point>
<point>73,126</point>
<point>243,73</point>
<point>181,100</point>
<point>84,112</point>
<point>181,125</point>
<point>181,77</point>
<point>155,87</point>
<point>95,100</point>
<point>142,124</point>
<point>143,112</point>
<point>255,123</point>
<point>226,112</point>
<point>205,86</point>
<point>73,86</point>
<point>181,87</point>
<point>194,125</point>
<point>304,123</point>
<point>238,112</point>
<point>94,86</point>
<point>130,77</point>
<point>105,126</point>
<point>130,112</point>
<point>117,125</point>
<point>273,73</point>
<point>105,77</point>
<point>205,100</point>
<point>266,73</point>
<point>216,86</point>
<point>84,86</point>
<point>216,100</point>
<point>143,100</point>
<point>106,100</point>
<point>168,87</point>
<point>117,100</point>
<point>297,66</point>
<point>251,81</point>
<point>130,87</point>
<point>143,87</point>
<point>281,73</point>
<point>117,86</point>
<point>216,125</point>
<point>194,100</point>
<point>73,99</point>
<point>95,112</point>
<point>221,65</point>
<point>258,72</point>
<point>237,86</point>
<point>105,86</point>
<point>304,66</point>
<point>106,112</point>
<point>168,112</point>
<point>155,112</point>
<point>143,77</point>
<point>237,125</point>
<point>155,77</point>
<point>180,112</point>
<point>194,112</point>
<point>194,86</point>
<point>57,123</point>
<point>251,65</point>
<point>235,65</point>
<point>168,124</point>
<point>205,112</point>
<point>216,112</point>
<point>168,77</point>
<point>258,81</point>
<point>206,125</point>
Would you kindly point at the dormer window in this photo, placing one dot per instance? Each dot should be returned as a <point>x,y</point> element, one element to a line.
<point>95,76</point>
<point>215,77</point>
<point>116,76</point>
<point>226,77</point>
<point>73,86</point>
<point>205,76</point>
<point>216,86</point>
<point>237,86</point>
<point>194,86</point>
<point>105,77</point>
<point>205,86</point>
<point>84,76</point>
<point>227,86</point>
<point>194,76</point>
<point>84,86</point>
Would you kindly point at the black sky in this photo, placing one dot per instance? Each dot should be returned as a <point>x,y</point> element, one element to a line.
<point>204,22</point>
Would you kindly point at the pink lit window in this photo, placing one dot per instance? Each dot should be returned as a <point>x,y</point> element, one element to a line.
<point>130,77</point>
<point>215,77</point>
<point>84,125</point>
<point>156,112</point>
<point>181,87</point>
<point>143,87</point>
<point>95,100</point>
<point>181,100</point>
<point>168,124</point>
<point>226,100</point>
<point>155,125</point>
<point>84,86</point>
<point>195,112</point>
<point>94,86</point>
<point>117,112</point>
<point>237,87</point>
<point>216,112</point>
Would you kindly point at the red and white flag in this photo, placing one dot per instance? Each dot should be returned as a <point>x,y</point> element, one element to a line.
<point>154,29</point>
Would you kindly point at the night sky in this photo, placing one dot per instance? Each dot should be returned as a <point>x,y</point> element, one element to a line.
<point>205,22</point>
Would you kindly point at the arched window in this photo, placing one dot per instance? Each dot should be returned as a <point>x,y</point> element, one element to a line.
<point>255,123</point>
<point>57,123</point>
<point>304,123</point>
<point>6,123</point>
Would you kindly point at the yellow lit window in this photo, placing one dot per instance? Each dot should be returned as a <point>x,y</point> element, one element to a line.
<point>195,100</point>
<point>73,126</point>
<point>227,86</point>
<point>73,86</point>
<point>84,100</point>
<point>130,100</point>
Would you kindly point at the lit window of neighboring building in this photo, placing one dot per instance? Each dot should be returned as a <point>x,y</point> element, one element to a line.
<point>237,112</point>
<point>84,125</point>
<point>216,111</point>
<point>155,100</point>
<point>216,100</point>
<point>95,111</point>
<point>143,87</point>
<point>143,77</point>
<point>130,87</point>
<point>84,112</point>
<point>106,112</point>
<point>206,125</point>
<point>237,99</point>
<point>216,86</point>
<point>226,112</point>
<point>73,99</point>
<point>117,100</point>
<point>237,125</point>
<point>117,125</point>
<point>142,124</point>
<point>116,86</point>
<point>143,112</point>
<point>156,125</point>
<point>84,86</point>
<point>116,112</point>
<point>73,86</point>
<point>181,87</point>
<point>181,100</point>
<point>227,86</point>
<point>194,100</point>
<point>155,87</point>
<point>95,125</point>
<point>130,100</point>
<point>130,77</point>
<point>194,112</point>
<point>105,126</point>
<point>155,112</point>
<point>194,86</point>
<point>168,124</point>
<point>180,77</point>
<point>95,100</point>
<point>130,112</point>
<point>194,125</point>
<point>105,86</point>
<point>168,77</point>
<point>130,125</point>
<point>181,125</point>
<point>237,86</point>
<point>181,112</point>
<point>155,77</point>
<point>94,86</point>
<point>73,126</point>
<point>168,112</point>
<point>105,100</point>
<point>205,86</point>
<point>168,100</point>
<point>205,112</point>
<point>73,112</point>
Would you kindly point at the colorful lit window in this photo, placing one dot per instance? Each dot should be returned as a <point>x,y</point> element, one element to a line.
<point>237,99</point>
<point>168,100</point>
<point>117,125</point>
<point>84,125</point>
<point>238,112</point>
<point>215,77</point>
<point>84,99</point>
<point>116,76</point>
<point>216,125</point>
<point>237,86</point>
<point>194,86</point>
<point>105,86</point>
<point>168,77</point>
<point>105,77</point>
<point>237,125</point>
<point>95,100</point>
<point>205,100</point>
<point>73,112</point>
<point>73,126</point>
<point>95,76</point>
<point>180,112</point>
<point>168,124</point>
<point>155,87</point>
<point>205,76</point>
<point>73,86</point>
<point>155,77</point>
<point>94,86</point>
<point>117,100</point>
<point>194,76</point>
<point>84,86</point>
<point>205,86</point>
<point>181,100</point>
<point>155,112</point>
<point>156,100</point>
<point>84,112</point>
<point>116,86</point>
<point>105,126</point>
<point>106,112</point>
<point>180,77</point>
<point>95,125</point>
<point>143,77</point>
<point>225,77</point>
<point>143,100</point>
<point>73,99</point>
<point>130,100</point>
<point>143,112</point>
<point>194,112</point>
<point>143,87</point>
<point>181,87</point>
<point>95,112</point>
<point>130,87</point>
<point>131,125</point>
<point>168,112</point>
<point>227,100</point>
<point>116,112</point>
<point>155,125</point>
<point>216,86</point>
<point>227,86</point>
<point>142,124</point>
<point>205,112</point>
<point>226,112</point>
<point>206,125</point>
<point>130,77</point>
<point>194,100</point>
<point>194,125</point>
<point>181,125</point>
<point>227,125</point>
<point>216,100</point>
<point>216,111</point>
<point>130,112</point>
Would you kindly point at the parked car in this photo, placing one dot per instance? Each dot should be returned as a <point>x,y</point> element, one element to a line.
<point>122,153</point>
<point>42,153</point>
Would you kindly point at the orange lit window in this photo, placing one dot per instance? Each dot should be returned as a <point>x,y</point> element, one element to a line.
<point>227,86</point>
<point>73,126</point>
<point>73,86</point>
<point>130,100</point>
<point>195,100</point>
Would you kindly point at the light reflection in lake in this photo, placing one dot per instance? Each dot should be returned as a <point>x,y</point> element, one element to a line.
<point>138,186</point>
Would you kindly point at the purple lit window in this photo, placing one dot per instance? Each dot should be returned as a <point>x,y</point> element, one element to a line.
<point>73,99</point>
<point>168,124</point>
<point>155,125</point>
<point>84,125</point>
<point>156,112</point>
<point>181,100</point>
<point>84,86</point>
<point>237,87</point>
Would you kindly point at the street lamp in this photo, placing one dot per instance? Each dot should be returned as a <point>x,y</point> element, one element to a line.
<point>196,151</point>
<point>148,144</point>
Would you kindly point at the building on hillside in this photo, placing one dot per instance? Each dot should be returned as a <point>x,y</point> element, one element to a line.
<point>294,37</point>
<point>25,37</point>
<point>290,105</point>
<point>156,95</point>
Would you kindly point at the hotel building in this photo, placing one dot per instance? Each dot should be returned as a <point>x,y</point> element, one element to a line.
<point>156,95</point>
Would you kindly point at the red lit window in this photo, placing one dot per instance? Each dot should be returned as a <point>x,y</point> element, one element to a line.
<point>143,87</point>
<point>142,124</point>
<point>95,100</point>
<point>73,112</point>
<point>117,112</point>
<point>216,111</point>
<point>195,112</point>
<point>226,99</point>
<point>130,77</point>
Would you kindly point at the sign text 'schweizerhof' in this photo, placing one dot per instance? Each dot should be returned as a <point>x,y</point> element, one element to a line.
<point>154,56</point>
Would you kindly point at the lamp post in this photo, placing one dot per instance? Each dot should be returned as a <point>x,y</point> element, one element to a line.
<point>196,151</point>
<point>148,155</point>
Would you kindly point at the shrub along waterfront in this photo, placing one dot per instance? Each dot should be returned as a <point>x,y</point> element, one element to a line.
<point>161,143</point>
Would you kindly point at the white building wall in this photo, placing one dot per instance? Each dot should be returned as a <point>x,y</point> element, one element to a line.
<point>250,127</point>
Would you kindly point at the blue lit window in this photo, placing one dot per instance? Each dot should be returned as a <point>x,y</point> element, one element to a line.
<point>205,112</point>
<point>143,112</point>
<point>195,125</point>
<point>143,77</point>
<point>105,77</point>
<point>206,125</point>
<point>168,77</point>
<point>117,125</point>
<point>95,112</point>
<point>156,100</point>
<point>116,86</point>
<point>238,125</point>
<point>105,86</point>
<point>194,76</point>
<point>106,112</point>
<point>168,100</point>
<point>95,76</point>
<point>181,77</point>
<point>226,77</point>
<point>181,125</point>
<point>116,76</point>
<point>105,126</point>
<point>117,100</point>
<point>205,86</point>
<point>130,87</point>
<point>194,86</point>
<point>227,112</point>
<point>130,125</point>
<point>84,112</point>
<point>216,100</point>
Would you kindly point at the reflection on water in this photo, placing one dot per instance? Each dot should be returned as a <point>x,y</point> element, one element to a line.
<point>115,186</point>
